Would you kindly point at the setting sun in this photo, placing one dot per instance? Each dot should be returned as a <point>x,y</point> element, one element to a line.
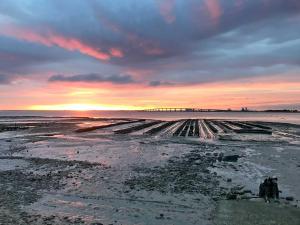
<point>80,107</point>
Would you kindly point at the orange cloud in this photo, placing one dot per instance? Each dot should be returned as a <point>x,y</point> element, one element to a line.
<point>81,107</point>
<point>214,9</point>
<point>252,92</point>
<point>139,73</point>
<point>52,39</point>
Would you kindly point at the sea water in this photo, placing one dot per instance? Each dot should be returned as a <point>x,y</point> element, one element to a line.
<point>251,116</point>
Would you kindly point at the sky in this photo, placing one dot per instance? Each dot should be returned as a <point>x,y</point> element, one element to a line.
<point>135,54</point>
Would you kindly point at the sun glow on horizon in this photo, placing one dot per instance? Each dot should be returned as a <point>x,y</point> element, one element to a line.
<point>82,107</point>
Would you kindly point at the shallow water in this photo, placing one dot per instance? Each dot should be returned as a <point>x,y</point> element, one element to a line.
<point>253,116</point>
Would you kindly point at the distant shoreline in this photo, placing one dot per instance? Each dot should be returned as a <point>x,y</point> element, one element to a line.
<point>145,110</point>
<point>231,111</point>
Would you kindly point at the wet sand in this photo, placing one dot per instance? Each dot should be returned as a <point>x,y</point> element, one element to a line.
<point>145,172</point>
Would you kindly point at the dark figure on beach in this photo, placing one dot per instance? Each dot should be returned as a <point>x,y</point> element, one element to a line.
<point>275,190</point>
<point>262,191</point>
<point>269,189</point>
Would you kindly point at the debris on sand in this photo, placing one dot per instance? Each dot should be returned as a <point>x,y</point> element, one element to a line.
<point>228,158</point>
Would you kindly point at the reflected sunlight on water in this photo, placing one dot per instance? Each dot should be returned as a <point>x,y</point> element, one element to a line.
<point>262,116</point>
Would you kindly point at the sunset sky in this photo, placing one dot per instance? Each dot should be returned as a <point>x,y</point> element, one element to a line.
<point>134,54</point>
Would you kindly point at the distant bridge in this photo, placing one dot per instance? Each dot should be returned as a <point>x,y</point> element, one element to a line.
<point>181,110</point>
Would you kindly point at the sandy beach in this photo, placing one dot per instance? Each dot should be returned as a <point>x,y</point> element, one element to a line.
<point>81,170</point>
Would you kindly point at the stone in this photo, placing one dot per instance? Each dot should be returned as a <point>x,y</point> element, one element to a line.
<point>289,198</point>
<point>231,158</point>
<point>231,196</point>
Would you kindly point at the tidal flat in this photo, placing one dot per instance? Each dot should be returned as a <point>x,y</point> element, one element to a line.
<point>81,170</point>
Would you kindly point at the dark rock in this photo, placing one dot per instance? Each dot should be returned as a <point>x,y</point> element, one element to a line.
<point>289,198</point>
<point>160,217</point>
<point>229,180</point>
<point>237,188</point>
<point>231,196</point>
<point>219,158</point>
<point>231,158</point>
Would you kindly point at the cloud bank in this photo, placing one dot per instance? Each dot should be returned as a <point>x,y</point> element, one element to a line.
<point>155,42</point>
<point>115,79</point>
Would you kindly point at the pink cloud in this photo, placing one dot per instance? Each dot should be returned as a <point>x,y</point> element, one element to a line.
<point>51,38</point>
<point>166,8</point>
<point>147,46</point>
<point>140,73</point>
<point>214,9</point>
<point>116,52</point>
<point>153,51</point>
<point>239,3</point>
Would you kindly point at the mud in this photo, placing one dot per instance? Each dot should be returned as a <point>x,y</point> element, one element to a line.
<point>24,185</point>
<point>187,174</point>
<point>179,172</point>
